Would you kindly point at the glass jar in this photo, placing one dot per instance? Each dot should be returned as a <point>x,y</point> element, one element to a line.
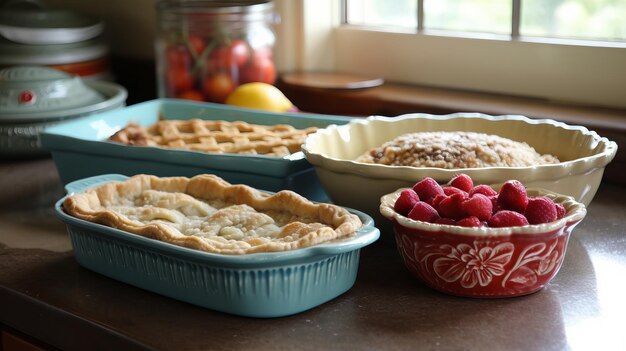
<point>205,49</point>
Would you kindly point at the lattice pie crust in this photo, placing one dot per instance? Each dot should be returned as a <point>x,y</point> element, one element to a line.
<point>209,214</point>
<point>216,136</point>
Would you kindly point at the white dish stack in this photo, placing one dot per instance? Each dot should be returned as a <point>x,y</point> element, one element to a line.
<point>32,34</point>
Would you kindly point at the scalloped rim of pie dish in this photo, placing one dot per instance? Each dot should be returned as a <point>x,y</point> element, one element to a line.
<point>209,214</point>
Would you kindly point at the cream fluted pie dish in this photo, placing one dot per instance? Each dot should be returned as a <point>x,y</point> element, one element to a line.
<point>350,159</point>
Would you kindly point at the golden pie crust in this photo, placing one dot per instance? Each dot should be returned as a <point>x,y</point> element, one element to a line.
<point>207,213</point>
<point>216,136</point>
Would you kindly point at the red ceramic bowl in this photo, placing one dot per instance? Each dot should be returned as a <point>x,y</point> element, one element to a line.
<point>484,262</point>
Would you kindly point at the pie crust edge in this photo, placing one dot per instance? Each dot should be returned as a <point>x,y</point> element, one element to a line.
<point>338,222</point>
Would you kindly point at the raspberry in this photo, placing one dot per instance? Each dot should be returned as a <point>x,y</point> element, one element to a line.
<point>479,206</point>
<point>560,211</point>
<point>494,203</point>
<point>424,212</point>
<point>463,182</point>
<point>452,207</point>
<point>483,189</point>
<point>407,199</point>
<point>434,202</point>
<point>540,209</point>
<point>471,221</point>
<point>513,196</point>
<point>449,190</point>
<point>506,218</point>
<point>427,189</point>
<point>444,220</point>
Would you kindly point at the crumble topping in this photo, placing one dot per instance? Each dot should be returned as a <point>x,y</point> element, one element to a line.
<point>453,150</point>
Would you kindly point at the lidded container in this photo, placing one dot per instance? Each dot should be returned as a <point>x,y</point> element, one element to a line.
<point>205,49</point>
<point>33,98</point>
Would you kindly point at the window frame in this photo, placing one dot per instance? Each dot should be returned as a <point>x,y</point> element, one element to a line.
<point>565,71</point>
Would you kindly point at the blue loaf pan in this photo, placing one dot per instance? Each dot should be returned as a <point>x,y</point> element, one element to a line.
<point>80,148</point>
<point>264,285</point>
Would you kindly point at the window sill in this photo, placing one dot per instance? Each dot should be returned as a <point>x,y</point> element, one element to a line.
<point>390,99</point>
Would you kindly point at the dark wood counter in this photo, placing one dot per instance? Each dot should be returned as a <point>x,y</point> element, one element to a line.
<point>47,298</point>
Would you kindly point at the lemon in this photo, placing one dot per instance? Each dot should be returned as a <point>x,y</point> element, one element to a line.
<point>260,96</point>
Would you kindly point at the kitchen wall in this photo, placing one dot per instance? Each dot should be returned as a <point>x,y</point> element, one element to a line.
<point>130,24</point>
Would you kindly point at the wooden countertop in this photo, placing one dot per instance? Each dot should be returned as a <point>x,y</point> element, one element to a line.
<point>47,295</point>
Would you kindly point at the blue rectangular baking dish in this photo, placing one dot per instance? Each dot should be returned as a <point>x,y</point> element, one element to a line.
<point>80,149</point>
<point>264,285</point>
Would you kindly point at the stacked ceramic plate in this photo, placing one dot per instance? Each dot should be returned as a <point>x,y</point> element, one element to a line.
<point>32,98</point>
<point>33,34</point>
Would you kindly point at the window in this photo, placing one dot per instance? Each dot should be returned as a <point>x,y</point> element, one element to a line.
<point>598,20</point>
<point>398,40</point>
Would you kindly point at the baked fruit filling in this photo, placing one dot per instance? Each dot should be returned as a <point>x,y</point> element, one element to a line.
<point>209,214</point>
